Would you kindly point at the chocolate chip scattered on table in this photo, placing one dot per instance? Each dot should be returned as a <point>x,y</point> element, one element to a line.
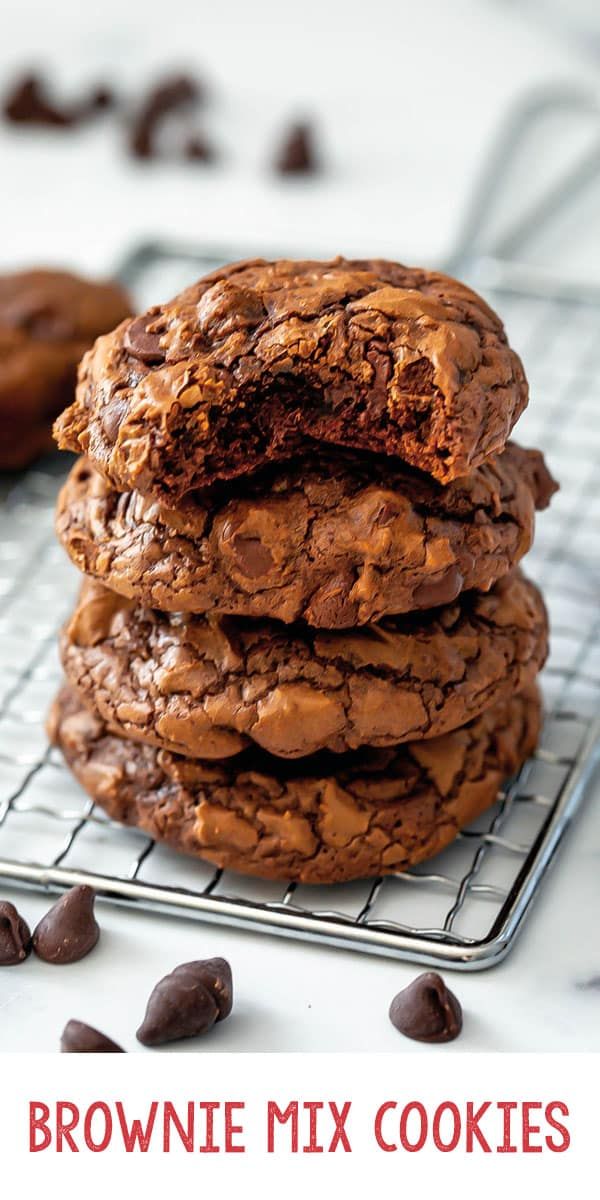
<point>427,1010</point>
<point>69,930</point>
<point>188,1002</point>
<point>15,936</point>
<point>79,1038</point>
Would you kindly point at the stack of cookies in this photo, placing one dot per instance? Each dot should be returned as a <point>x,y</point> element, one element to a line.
<point>303,648</point>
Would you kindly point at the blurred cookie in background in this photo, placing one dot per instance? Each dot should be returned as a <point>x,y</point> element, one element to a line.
<point>48,319</point>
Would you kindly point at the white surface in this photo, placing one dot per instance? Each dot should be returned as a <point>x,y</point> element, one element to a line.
<point>290,996</point>
<point>407,100</point>
<point>405,97</point>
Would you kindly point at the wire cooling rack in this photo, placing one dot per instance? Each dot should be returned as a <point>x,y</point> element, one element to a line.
<point>463,908</point>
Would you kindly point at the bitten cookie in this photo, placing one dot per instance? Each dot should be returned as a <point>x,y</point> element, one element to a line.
<point>205,686</point>
<point>259,358</point>
<point>337,540</point>
<point>321,820</point>
<point>48,319</point>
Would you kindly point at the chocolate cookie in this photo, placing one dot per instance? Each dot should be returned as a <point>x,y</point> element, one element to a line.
<point>319,820</point>
<point>260,358</point>
<point>205,686</point>
<point>338,540</point>
<point>48,319</point>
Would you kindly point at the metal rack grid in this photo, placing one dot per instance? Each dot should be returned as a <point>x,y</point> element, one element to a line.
<point>463,908</point>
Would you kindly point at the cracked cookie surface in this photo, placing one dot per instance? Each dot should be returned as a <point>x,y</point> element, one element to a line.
<point>336,541</point>
<point>260,358</point>
<point>48,319</point>
<point>205,686</point>
<point>322,820</point>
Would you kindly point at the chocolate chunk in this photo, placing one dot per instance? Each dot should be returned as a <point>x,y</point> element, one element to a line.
<point>172,94</point>
<point>443,590</point>
<point>143,344</point>
<point>427,1010</point>
<point>187,1002</point>
<point>15,938</point>
<point>101,98</point>
<point>252,558</point>
<point>79,1038</point>
<point>198,149</point>
<point>28,104</point>
<point>69,930</point>
<point>297,154</point>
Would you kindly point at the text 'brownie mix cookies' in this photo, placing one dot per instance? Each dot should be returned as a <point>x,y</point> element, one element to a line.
<point>48,319</point>
<point>304,648</point>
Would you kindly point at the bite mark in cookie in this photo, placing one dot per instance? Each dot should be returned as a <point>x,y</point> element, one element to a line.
<point>259,359</point>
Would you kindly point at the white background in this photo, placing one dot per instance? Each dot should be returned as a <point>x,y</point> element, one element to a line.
<point>406,97</point>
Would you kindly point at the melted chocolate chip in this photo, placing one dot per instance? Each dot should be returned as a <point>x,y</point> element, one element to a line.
<point>297,153</point>
<point>427,1010</point>
<point>172,94</point>
<point>187,1002</point>
<point>252,558</point>
<point>440,591</point>
<point>15,938</point>
<point>79,1038</point>
<point>143,344</point>
<point>69,930</point>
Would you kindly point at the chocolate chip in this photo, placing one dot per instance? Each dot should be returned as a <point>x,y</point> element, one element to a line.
<point>141,143</point>
<point>143,344</point>
<point>28,104</point>
<point>427,1010</point>
<point>441,591</point>
<point>187,1002</point>
<point>198,149</point>
<point>172,94</point>
<point>69,930</point>
<point>297,154</point>
<point>79,1038</point>
<point>15,938</point>
<point>112,418</point>
<point>253,559</point>
<point>101,98</point>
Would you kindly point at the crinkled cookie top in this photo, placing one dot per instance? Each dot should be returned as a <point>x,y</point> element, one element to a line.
<point>256,361</point>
